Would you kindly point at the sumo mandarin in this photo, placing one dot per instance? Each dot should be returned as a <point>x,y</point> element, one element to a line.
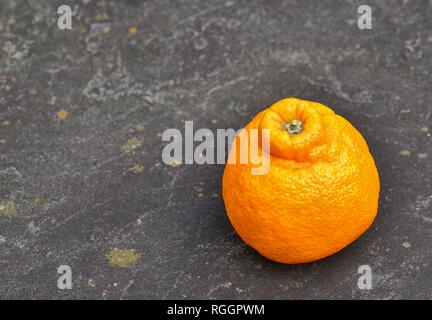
<point>320,192</point>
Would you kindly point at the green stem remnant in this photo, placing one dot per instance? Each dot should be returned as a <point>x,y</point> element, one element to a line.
<point>294,127</point>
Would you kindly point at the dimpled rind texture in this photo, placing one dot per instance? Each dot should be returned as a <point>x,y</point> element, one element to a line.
<point>320,193</point>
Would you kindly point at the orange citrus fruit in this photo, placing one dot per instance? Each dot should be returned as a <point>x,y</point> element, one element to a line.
<point>320,192</point>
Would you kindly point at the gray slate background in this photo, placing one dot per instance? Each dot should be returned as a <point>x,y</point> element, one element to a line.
<point>67,191</point>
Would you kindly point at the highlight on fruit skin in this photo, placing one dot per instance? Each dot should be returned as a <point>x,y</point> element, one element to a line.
<point>320,193</point>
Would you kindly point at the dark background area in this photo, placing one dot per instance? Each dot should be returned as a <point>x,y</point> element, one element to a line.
<point>81,117</point>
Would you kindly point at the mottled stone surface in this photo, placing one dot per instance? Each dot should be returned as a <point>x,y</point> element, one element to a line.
<point>82,111</point>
